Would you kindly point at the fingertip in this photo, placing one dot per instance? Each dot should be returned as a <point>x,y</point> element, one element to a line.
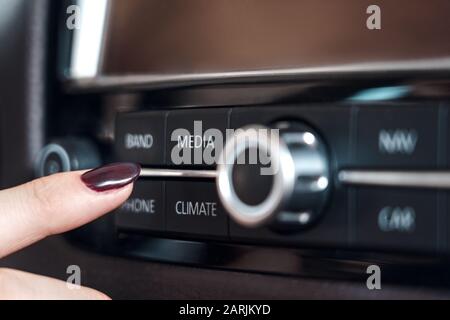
<point>92,294</point>
<point>104,297</point>
<point>62,202</point>
<point>111,177</point>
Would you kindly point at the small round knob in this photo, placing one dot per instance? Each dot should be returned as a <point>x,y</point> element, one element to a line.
<point>278,176</point>
<point>66,154</point>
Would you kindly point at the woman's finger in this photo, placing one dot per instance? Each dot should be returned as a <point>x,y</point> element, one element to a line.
<point>61,202</point>
<point>18,285</point>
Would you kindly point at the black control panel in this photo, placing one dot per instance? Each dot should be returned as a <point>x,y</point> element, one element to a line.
<point>357,176</point>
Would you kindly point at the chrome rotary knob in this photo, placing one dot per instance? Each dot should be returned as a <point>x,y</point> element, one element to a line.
<point>278,176</point>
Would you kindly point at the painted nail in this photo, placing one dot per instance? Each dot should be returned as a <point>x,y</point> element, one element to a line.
<point>112,176</point>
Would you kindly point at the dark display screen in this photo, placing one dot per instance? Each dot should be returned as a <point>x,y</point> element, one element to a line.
<point>154,36</point>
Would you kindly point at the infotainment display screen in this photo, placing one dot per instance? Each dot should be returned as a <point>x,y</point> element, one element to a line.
<point>159,37</point>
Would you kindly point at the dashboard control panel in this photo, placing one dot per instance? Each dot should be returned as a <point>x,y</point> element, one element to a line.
<point>351,176</point>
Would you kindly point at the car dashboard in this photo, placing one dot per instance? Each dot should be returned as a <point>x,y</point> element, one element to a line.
<point>360,108</point>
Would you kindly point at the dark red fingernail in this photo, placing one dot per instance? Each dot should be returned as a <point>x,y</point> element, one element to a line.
<point>112,176</point>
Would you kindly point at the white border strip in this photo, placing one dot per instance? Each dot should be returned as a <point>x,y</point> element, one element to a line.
<point>88,39</point>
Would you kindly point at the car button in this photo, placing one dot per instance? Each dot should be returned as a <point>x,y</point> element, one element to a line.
<point>398,219</point>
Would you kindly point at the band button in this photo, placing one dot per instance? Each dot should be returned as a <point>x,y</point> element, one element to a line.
<point>140,137</point>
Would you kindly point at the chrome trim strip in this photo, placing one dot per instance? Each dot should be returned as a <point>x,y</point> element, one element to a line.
<point>177,173</point>
<point>438,65</point>
<point>386,178</point>
<point>87,47</point>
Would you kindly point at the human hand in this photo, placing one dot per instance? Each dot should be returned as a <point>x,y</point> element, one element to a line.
<point>53,205</point>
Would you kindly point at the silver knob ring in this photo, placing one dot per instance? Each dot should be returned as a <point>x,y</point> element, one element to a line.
<point>283,176</point>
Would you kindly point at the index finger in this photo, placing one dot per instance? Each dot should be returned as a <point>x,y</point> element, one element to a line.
<point>61,202</point>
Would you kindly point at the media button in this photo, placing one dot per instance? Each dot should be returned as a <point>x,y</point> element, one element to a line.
<point>196,137</point>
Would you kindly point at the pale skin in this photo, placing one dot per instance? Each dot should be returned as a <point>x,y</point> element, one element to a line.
<point>44,207</point>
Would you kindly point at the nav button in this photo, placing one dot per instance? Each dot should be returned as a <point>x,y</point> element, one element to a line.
<point>194,208</point>
<point>144,208</point>
<point>402,137</point>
